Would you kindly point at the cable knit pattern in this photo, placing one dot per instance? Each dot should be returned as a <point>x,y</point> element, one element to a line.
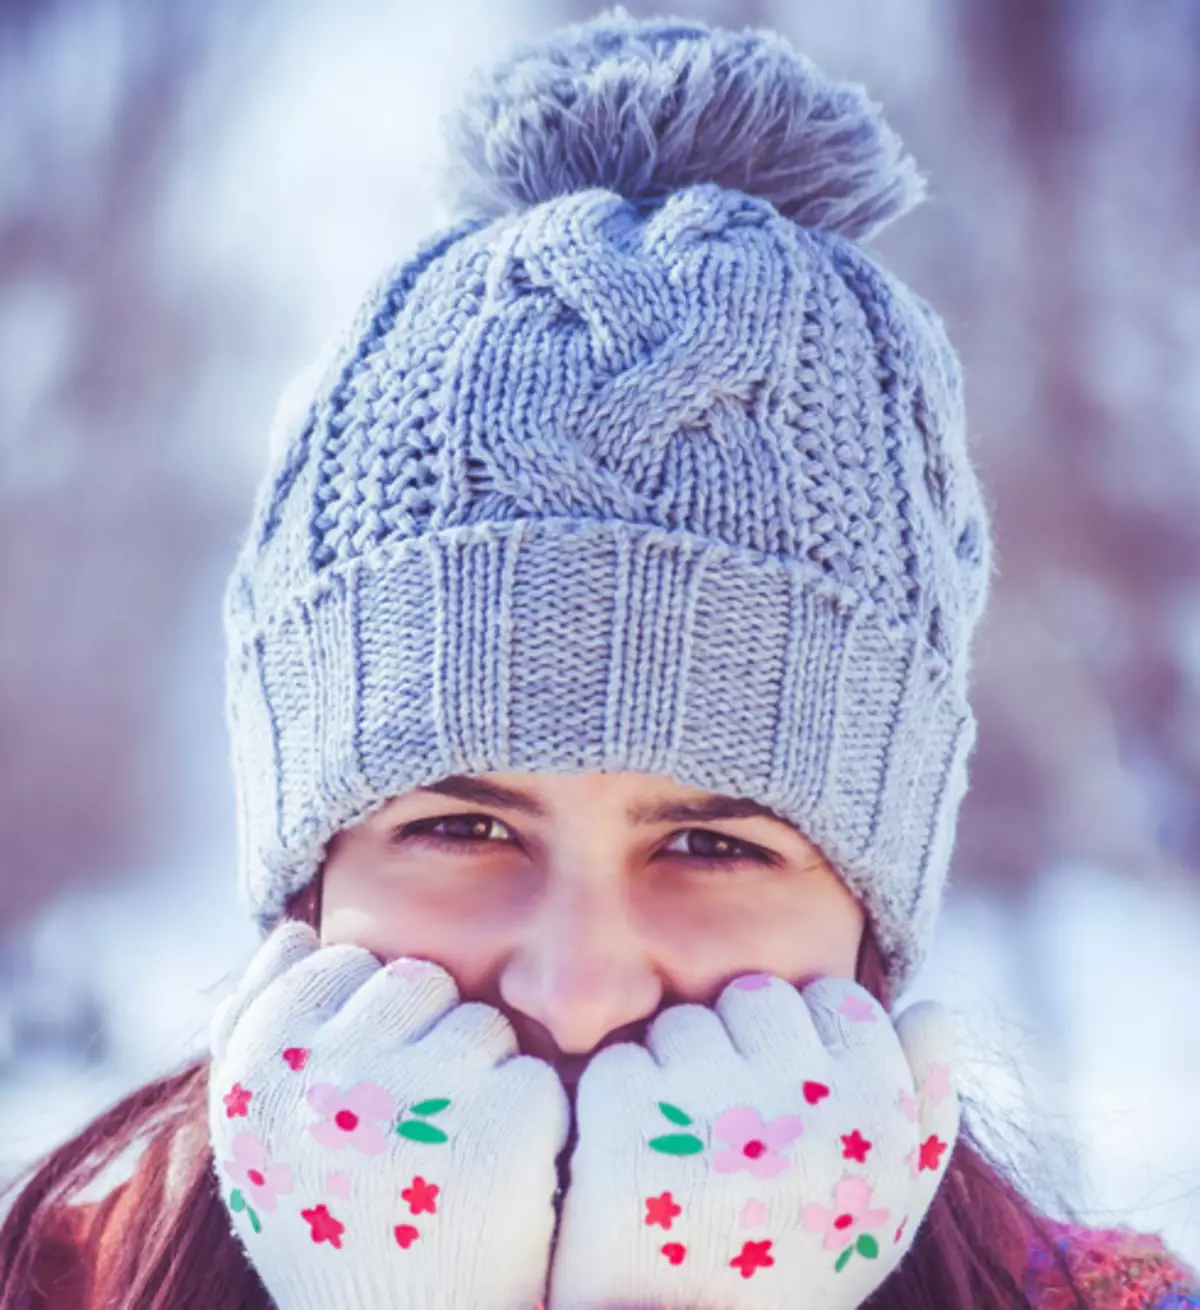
<point>1115,1268</point>
<point>600,483</point>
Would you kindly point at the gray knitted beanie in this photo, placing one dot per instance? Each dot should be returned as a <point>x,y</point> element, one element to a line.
<point>643,464</point>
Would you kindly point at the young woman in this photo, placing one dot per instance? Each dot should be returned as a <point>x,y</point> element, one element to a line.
<point>597,679</point>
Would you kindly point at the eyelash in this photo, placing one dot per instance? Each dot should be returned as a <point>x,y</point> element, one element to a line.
<point>420,831</point>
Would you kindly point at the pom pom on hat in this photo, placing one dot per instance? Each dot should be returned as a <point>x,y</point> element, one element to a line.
<point>641,464</point>
<point>644,107</point>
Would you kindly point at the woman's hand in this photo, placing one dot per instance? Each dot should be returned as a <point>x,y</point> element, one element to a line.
<point>779,1152</point>
<point>380,1145</point>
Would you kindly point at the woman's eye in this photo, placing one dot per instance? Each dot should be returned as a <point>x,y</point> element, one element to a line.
<point>716,848</point>
<point>472,833</point>
<point>461,830</point>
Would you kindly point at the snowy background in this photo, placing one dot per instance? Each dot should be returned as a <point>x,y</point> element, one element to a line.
<point>193,197</point>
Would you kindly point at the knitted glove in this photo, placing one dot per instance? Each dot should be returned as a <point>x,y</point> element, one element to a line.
<point>379,1144</point>
<point>779,1152</point>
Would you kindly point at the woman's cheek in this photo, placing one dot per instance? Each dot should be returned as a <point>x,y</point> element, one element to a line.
<point>458,922</point>
<point>716,932</point>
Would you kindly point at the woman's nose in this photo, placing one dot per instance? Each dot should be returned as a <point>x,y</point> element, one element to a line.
<point>581,967</point>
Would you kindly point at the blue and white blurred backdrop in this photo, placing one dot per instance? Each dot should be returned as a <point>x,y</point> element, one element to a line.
<point>192,196</point>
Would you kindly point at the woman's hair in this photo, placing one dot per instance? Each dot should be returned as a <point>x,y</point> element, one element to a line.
<point>178,1251</point>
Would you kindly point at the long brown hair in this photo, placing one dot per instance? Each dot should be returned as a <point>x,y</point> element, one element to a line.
<point>178,1251</point>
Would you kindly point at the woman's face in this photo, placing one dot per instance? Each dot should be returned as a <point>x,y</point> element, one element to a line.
<point>581,905</point>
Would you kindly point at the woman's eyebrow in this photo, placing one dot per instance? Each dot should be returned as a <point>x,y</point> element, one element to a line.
<point>704,809</point>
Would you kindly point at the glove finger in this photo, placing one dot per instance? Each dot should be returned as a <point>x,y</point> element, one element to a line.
<point>858,1033</point>
<point>610,1083</point>
<point>767,1018</point>
<point>397,1005</point>
<point>688,1032</point>
<point>468,1040</point>
<point>926,1032</point>
<point>846,1015</point>
<point>288,943</point>
<point>527,1090</point>
<point>299,1001</point>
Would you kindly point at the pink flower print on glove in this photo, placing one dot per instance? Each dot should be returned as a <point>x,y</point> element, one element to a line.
<point>754,1145</point>
<point>348,1116</point>
<point>409,969</point>
<point>836,1106</point>
<point>851,1213</point>
<point>450,1204</point>
<point>252,1168</point>
<point>858,1009</point>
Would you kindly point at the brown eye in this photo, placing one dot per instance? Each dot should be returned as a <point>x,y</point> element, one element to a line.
<point>714,848</point>
<point>462,832</point>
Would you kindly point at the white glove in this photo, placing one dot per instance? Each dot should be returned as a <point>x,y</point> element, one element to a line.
<point>779,1152</point>
<point>381,1146</point>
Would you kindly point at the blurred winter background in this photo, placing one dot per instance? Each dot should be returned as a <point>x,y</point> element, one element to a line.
<point>193,195</point>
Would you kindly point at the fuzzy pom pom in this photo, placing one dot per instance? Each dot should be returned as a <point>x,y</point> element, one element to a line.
<point>644,107</point>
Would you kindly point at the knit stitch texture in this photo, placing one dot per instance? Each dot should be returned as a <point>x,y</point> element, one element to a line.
<point>629,470</point>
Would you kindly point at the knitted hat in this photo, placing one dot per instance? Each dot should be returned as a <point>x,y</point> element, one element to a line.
<point>643,464</point>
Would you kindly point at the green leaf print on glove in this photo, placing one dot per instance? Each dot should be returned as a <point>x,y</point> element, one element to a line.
<point>807,1116</point>
<point>251,1166</point>
<point>676,1143</point>
<point>417,1130</point>
<point>336,1086</point>
<point>238,1202</point>
<point>841,1226</point>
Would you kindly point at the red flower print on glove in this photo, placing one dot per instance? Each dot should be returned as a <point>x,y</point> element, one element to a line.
<point>349,1115</point>
<point>817,1094</point>
<point>755,1255</point>
<point>421,1196</point>
<point>237,1101</point>
<point>855,1147</point>
<point>662,1209</point>
<point>927,1156</point>
<point>754,1145</point>
<point>325,1228</point>
<point>378,1093</point>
